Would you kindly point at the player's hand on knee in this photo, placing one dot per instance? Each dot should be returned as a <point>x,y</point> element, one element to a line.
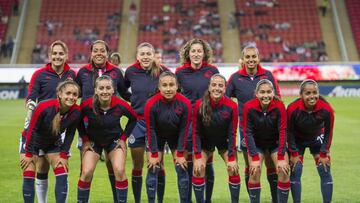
<point>233,167</point>
<point>26,161</point>
<point>283,166</point>
<point>153,163</point>
<point>325,162</point>
<point>181,161</point>
<point>121,145</point>
<point>255,167</point>
<point>87,146</point>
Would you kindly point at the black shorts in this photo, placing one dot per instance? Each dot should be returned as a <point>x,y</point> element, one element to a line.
<point>210,144</point>
<point>172,142</point>
<point>314,145</point>
<point>271,148</point>
<point>108,148</point>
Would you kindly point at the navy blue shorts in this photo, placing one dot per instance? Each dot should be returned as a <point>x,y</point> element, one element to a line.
<point>210,144</point>
<point>314,145</point>
<point>137,137</point>
<point>108,148</point>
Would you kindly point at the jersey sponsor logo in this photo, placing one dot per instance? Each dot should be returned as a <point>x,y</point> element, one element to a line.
<point>178,110</point>
<point>113,75</point>
<point>117,112</point>
<point>208,74</point>
<point>224,114</point>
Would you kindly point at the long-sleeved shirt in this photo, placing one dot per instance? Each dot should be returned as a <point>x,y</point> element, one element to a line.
<point>104,128</point>
<point>263,128</point>
<point>194,82</point>
<point>167,119</point>
<point>223,125</point>
<point>242,86</point>
<point>143,85</point>
<point>87,75</point>
<point>40,135</point>
<point>306,126</point>
<point>44,81</point>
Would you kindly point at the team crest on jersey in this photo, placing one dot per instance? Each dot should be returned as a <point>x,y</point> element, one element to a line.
<point>117,112</point>
<point>208,74</point>
<point>224,114</point>
<point>131,139</point>
<point>178,110</point>
<point>113,75</point>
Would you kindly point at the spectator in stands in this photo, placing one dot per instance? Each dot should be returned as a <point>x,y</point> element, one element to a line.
<point>50,26</point>
<point>10,46</point>
<point>133,12</point>
<point>22,86</point>
<point>15,7</point>
<point>324,7</point>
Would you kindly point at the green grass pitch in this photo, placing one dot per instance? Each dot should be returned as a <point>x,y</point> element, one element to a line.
<point>344,155</point>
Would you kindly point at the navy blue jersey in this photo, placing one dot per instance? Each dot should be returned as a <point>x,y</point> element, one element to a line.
<point>39,134</point>
<point>242,86</point>
<point>87,75</point>
<point>306,126</point>
<point>105,128</point>
<point>194,82</point>
<point>44,81</point>
<point>262,128</point>
<point>223,125</point>
<point>142,85</point>
<point>167,119</point>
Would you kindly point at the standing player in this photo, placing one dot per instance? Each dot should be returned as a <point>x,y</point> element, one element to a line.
<point>242,86</point>
<point>50,134</point>
<point>264,122</point>
<point>143,78</point>
<point>215,124</point>
<point>104,132</point>
<point>167,116</point>
<point>86,77</point>
<point>42,86</point>
<point>310,124</point>
<point>194,76</point>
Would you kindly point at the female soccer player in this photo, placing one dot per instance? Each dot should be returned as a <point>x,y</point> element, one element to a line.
<point>310,124</point>
<point>242,86</point>
<point>215,122</point>
<point>115,58</point>
<point>42,86</point>
<point>264,123</point>
<point>104,132</point>
<point>167,116</point>
<point>50,134</point>
<point>98,66</point>
<point>194,76</point>
<point>143,78</point>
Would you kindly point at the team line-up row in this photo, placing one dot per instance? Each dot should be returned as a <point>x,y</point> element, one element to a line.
<point>189,110</point>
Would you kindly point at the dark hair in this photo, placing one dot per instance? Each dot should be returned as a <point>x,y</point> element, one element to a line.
<point>310,82</point>
<point>205,107</point>
<point>268,82</point>
<point>154,68</point>
<point>165,74</point>
<point>184,51</point>
<point>100,42</point>
<point>56,122</point>
<point>96,101</point>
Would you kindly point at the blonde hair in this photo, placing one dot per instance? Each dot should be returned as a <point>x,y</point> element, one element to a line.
<point>184,51</point>
<point>56,122</point>
<point>155,69</point>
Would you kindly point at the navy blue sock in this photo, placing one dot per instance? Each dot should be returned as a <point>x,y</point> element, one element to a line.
<point>254,192</point>
<point>151,183</point>
<point>61,185</point>
<point>283,191</point>
<point>326,183</point>
<point>161,186</point>
<point>112,183</point>
<point>121,190</point>
<point>272,179</point>
<point>183,183</point>
<point>28,186</point>
<point>199,188</point>
<point>210,178</point>
<point>234,187</point>
<point>136,181</point>
<point>247,177</point>
<point>83,191</point>
<point>295,180</point>
<point>190,171</point>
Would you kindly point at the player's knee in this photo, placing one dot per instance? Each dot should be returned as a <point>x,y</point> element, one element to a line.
<point>297,171</point>
<point>87,174</point>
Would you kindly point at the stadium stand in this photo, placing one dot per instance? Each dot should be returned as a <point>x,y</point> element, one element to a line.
<point>77,23</point>
<point>284,31</point>
<point>353,8</point>
<point>168,24</point>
